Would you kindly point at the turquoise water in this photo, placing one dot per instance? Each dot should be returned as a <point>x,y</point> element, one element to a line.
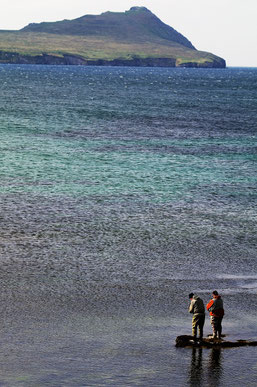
<point>122,190</point>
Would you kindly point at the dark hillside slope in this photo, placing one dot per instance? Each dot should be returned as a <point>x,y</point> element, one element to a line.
<point>137,24</point>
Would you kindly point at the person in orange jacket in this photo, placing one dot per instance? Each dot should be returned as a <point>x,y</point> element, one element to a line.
<point>215,307</point>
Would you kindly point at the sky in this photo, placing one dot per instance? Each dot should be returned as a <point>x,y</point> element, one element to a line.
<point>227,28</point>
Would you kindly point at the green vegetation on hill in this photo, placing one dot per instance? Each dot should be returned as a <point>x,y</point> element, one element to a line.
<point>136,25</point>
<point>135,34</point>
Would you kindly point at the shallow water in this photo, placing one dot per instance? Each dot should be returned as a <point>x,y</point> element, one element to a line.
<point>122,190</point>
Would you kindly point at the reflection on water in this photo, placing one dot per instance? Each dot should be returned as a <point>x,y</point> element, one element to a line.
<point>210,375</point>
<point>196,370</point>
<point>215,367</point>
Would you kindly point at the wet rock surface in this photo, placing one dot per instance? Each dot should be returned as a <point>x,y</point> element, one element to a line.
<point>209,342</point>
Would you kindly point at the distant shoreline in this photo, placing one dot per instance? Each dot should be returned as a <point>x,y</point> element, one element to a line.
<point>67,59</point>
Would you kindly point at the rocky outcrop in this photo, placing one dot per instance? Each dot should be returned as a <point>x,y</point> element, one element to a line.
<point>220,63</point>
<point>187,341</point>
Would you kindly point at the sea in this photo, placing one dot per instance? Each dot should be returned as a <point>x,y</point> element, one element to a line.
<point>122,190</point>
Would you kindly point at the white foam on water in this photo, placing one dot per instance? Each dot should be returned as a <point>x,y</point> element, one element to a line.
<point>236,276</point>
<point>252,285</point>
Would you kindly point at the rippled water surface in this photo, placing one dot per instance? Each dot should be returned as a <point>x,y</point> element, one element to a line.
<point>122,190</point>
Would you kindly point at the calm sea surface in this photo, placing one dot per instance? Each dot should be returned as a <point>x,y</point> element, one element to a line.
<point>122,190</point>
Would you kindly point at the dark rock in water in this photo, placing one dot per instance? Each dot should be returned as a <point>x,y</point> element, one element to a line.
<point>188,341</point>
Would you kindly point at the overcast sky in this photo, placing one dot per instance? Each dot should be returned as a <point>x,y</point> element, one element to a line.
<point>227,28</point>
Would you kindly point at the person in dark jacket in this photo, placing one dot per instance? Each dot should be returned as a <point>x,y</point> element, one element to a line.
<point>215,307</point>
<point>197,308</point>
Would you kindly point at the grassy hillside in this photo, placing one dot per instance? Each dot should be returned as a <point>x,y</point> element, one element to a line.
<point>136,25</point>
<point>133,34</point>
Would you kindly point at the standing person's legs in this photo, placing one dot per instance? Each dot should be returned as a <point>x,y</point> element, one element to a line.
<point>194,325</point>
<point>198,322</point>
<point>214,323</point>
<point>201,324</point>
<point>219,327</point>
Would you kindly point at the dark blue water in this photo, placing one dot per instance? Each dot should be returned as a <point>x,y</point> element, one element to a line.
<point>122,190</point>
